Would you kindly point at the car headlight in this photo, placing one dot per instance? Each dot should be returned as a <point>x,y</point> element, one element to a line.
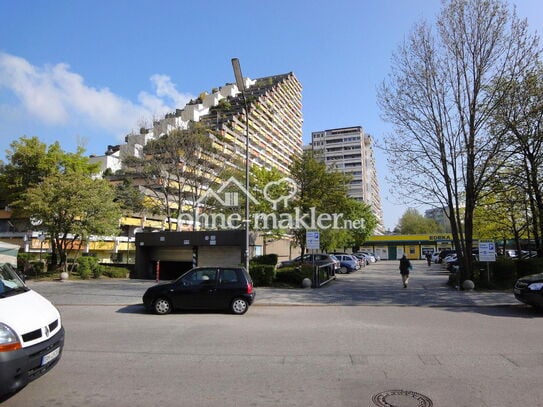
<point>8,339</point>
<point>535,286</point>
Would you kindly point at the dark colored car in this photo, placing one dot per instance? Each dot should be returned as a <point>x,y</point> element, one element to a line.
<point>529,290</point>
<point>319,259</point>
<point>229,288</point>
<point>445,253</point>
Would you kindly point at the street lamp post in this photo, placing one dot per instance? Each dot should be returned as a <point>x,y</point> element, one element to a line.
<point>241,86</point>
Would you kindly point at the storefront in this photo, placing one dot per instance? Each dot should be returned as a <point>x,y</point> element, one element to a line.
<point>393,247</point>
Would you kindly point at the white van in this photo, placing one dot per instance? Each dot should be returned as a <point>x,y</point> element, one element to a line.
<point>31,332</point>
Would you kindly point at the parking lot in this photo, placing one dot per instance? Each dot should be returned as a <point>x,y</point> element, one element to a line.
<point>377,284</point>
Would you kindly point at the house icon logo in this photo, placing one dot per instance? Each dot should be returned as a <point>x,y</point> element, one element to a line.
<point>229,198</point>
<point>228,194</point>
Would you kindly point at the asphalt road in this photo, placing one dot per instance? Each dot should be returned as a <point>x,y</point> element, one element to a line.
<point>359,341</point>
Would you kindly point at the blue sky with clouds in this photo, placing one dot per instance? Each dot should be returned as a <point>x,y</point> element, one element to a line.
<point>89,72</point>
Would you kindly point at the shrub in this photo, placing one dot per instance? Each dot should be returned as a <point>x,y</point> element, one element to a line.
<point>529,266</point>
<point>504,273</point>
<point>262,274</point>
<point>23,261</point>
<point>293,276</point>
<point>270,259</point>
<point>38,266</point>
<point>84,272</point>
<point>115,272</point>
<point>88,266</point>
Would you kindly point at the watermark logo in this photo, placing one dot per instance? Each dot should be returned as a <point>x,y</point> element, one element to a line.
<point>278,193</point>
<point>224,196</point>
<point>288,183</point>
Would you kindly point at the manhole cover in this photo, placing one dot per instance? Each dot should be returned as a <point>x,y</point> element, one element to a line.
<point>401,398</point>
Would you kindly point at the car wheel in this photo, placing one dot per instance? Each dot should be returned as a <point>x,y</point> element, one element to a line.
<point>239,306</point>
<point>162,306</point>
<point>343,270</point>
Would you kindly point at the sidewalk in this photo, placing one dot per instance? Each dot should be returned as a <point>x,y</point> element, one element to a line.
<point>378,284</point>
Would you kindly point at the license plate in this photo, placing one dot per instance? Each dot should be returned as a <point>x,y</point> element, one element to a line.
<point>50,356</point>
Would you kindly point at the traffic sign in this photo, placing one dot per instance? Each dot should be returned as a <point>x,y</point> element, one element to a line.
<point>487,250</point>
<point>312,240</point>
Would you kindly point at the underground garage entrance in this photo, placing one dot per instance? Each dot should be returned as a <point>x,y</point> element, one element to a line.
<point>173,253</point>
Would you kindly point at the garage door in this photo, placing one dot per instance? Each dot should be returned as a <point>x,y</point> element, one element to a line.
<point>172,254</point>
<point>226,256</point>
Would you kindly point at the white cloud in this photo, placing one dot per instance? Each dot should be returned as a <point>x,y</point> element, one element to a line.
<point>57,96</point>
<point>165,88</point>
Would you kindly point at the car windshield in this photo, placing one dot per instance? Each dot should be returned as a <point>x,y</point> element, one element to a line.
<point>10,282</point>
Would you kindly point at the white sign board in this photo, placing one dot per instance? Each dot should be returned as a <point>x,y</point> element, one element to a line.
<point>487,251</point>
<point>312,240</point>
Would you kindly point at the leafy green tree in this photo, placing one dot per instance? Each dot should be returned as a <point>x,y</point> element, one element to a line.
<point>72,207</point>
<point>29,161</point>
<point>56,187</point>
<point>270,189</point>
<point>412,222</point>
<point>335,239</point>
<point>520,118</point>
<point>319,190</point>
<point>367,221</point>
<point>362,223</point>
<point>501,214</point>
<point>129,197</point>
<point>324,191</point>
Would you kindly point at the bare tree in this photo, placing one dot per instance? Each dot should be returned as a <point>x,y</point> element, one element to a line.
<point>440,97</point>
<point>177,168</point>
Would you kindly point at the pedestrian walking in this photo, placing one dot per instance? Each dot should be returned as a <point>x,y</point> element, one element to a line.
<point>405,268</point>
<point>429,258</point>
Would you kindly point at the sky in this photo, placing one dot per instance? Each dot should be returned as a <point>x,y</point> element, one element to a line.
<point>88,72</point>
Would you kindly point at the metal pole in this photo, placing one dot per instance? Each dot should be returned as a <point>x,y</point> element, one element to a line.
<point>241,86</point>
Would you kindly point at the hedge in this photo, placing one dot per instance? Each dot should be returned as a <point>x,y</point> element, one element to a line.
<point>504,272</point>
<point>262,274</point>
<point>294,275</point>
<point>270,259</point>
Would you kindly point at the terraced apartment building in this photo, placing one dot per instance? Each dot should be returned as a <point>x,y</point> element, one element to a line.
<point>275,133</point>
<point>275,123</point>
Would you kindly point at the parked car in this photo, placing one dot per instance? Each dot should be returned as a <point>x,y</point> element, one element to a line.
<point>512,254</point>
<point>529,290</point>
<point>31,330</point>
<point>360,262</point>
<point>528,254</point>
<point>228,288</point>
<point>369,255</point>
<point>364,257</point>
<point>347,263</point>
<point>319,259</point>
<point>445,253</point>
<point>336,265</point>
